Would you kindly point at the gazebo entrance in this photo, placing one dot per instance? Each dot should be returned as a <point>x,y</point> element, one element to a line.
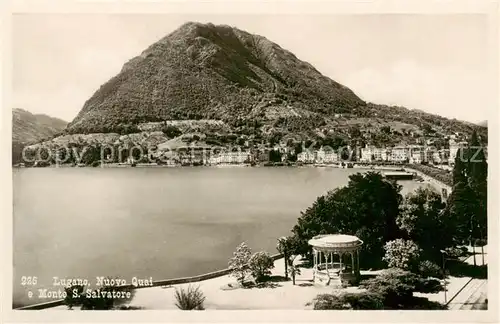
<point>336,259</point>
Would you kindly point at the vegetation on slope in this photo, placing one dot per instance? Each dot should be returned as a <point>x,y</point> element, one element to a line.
<point>30,128</point>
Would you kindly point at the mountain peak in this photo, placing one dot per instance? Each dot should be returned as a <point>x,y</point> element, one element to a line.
<point>202,70</point>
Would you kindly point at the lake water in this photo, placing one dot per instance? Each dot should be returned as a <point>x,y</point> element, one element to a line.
<point>159,222</point>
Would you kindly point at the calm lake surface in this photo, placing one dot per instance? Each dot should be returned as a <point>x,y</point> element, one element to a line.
<point>159,222</point>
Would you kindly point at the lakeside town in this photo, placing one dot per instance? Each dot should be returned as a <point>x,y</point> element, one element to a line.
<point>193,154</point>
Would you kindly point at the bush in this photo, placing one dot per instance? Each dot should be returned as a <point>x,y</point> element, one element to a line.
<point>428,286</point>
<point>456,252</point>
<point>327,301</point>
<point>260,265</point>
<point>363,300</point>
<point>401,254</point>
<point>70,300</point>
<point>394,285</point>
<point>481,242</point>
<point>429,269</point>
<point>396,288</point>
<point>191,298</point>
<point>171,131</point>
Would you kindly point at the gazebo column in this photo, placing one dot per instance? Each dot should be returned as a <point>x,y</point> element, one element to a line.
<point>353,269</point>
<point>326,264</point>
<point>357,266</point>
<point>340,255</point>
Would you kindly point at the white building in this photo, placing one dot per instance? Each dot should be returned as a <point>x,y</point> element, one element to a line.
<point>399,154</point>
<point>416,154</point>
<point>230,158</point>
<point>306,157</point>
<point>366,154</point>
<point>326,156</point>
<point>381,154</point>
<point>371,153</point>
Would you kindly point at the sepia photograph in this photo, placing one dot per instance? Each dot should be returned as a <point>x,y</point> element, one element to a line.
<point>251,161</point>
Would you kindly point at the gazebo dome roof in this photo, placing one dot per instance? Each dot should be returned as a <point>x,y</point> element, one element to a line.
<point>335,242</point>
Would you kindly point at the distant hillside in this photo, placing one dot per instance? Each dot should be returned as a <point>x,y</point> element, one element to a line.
<point>32,128</point>
<point>28,128</point>
<point>235,88</point>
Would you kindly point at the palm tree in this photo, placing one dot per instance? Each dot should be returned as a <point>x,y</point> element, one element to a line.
<point>283,247</point>
<point>293,269</point>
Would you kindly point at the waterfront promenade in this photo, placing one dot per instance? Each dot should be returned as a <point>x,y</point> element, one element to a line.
<point>223,293</point>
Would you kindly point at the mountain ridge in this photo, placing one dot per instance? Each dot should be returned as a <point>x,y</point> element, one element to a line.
<point>29,128</point>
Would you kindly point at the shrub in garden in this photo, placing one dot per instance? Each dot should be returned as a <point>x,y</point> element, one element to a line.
<point>100,302</point>
<point>456,252</point>
<point>74,296</point>
<point>481,242</point>
<point>359,301</point>
<point>395,286</point>
<point>428,268</point>
<point>260,265</point>
<point>329,301</point>
<point>239,262</point>
<point>191,298</point>
<point>401,254</point>
<point>364,300</point>
<point>428,285</point>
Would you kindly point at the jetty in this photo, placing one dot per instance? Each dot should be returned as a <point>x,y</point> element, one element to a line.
<point>401,175</point>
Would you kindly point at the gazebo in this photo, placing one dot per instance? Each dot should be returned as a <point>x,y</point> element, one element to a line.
<point>336,259</point>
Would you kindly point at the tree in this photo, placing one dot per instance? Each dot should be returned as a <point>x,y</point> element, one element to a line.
<point>460,211</point>
<point>402,254</point>
<point>367,207</point>
<point>239,262</point>
<point>260,265</point>
<point>274,156</point>
<point>422,219</point>
<point>386,129</point>
<point>284,248</point>
<point>171,131</point>
<point>467,205</point>
<point>461,166</point>
<point>478,182</point>
<point>294,270</point>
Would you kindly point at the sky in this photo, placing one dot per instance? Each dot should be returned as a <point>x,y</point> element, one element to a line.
<point>441,64</point>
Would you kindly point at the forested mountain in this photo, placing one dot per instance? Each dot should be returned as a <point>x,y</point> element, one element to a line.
<point>28,128</point>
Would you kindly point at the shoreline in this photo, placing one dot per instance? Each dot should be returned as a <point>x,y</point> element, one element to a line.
<point>438,184</point>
